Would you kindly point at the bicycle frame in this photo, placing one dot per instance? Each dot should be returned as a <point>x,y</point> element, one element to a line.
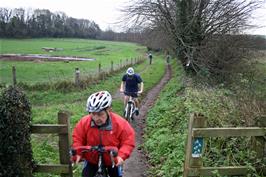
<point>129,109</point>
<point>101,172</point>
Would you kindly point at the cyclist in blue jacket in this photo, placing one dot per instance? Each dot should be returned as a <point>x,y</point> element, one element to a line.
<point>130,86</point>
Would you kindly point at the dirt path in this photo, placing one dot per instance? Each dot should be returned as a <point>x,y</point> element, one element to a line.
<point>136,165</point>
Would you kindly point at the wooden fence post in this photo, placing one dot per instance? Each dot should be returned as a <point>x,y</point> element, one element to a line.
<point>197,143</point>
<point>194,148</point>
<point>127,62</point>
<point>121,66</point>
<point>14,75</point>
<point>188,146</point>
<point>99,69</point>
<point>131,62</point>
<point>135,61</point>
<point>259,143</point>
<point>64,143</point>
<point>77,78</point>
<point>112,66</point>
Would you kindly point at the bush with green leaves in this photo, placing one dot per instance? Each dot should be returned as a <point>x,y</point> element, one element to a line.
<point>15,147</point>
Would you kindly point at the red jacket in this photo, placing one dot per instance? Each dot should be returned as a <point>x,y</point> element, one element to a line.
<point>117,132</point>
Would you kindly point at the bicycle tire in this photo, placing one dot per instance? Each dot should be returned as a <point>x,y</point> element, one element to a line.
<point>128,112</point>
<point>132,109</point>
<point>100,175</point>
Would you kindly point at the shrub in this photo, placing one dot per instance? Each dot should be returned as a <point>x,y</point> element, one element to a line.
<point>222,56</point>
<point>15,147</point>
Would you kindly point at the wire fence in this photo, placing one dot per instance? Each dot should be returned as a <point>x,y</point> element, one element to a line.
<point>81,78</point>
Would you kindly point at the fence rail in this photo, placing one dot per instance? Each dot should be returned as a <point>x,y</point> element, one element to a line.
<point>48,168</point>
<point>195,144</point>
<point>63,130</point>
<point>48,128</point>
<point>229,132</point>
<point>209,171</point>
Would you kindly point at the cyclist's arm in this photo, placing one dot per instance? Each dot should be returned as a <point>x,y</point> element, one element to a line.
<point>141,87</point>
<point>79,139</point>
<point>79,133</point>
<point>127,141</point>
<point>122,86</point>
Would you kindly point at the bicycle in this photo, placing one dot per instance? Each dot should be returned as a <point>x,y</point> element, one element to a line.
<point>102,170</point>
<point>129,110</point>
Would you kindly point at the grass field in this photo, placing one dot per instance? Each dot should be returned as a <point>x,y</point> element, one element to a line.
<point>32,72</point>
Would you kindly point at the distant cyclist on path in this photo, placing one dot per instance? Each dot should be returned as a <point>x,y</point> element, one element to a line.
<point>130,86</point>
<point>150,57</point>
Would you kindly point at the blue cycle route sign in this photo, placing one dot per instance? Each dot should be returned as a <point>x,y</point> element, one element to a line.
<point>197,147</point>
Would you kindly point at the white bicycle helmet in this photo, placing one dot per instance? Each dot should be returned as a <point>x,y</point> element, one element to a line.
<point>99,101</point>
<point>130,71</point>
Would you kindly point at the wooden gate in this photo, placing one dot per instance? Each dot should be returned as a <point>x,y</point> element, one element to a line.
<point>63,130</point>
<point>195,142</point>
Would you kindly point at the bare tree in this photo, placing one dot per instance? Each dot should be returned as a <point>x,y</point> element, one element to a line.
<point>191,24</point>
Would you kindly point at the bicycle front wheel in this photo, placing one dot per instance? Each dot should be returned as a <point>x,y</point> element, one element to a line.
<point>132,109</point>
<point>128,112</point>
<point>100,175</point>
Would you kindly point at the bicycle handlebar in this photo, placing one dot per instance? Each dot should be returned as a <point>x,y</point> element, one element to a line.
<point>137,93</point>
<point>112,150</point>
<point>102,149</point>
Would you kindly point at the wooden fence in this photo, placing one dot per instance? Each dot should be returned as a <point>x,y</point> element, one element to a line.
<point>63,130</point>
<point>101,72</point>
<point>195,144</point>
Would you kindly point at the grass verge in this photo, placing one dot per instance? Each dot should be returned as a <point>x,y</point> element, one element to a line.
<point>166,130</point>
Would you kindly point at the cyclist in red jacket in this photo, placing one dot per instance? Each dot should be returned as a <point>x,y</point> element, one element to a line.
<point>106,128</point>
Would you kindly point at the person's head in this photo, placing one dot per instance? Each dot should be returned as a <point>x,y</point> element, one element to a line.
<point>99,104</point>
<point>130,71</point>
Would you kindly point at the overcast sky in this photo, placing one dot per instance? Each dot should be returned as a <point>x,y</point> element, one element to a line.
<point>104,12</point>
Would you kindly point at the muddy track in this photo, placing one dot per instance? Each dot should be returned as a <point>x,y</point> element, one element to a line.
<point>40,57</point>
<point>136,165</point>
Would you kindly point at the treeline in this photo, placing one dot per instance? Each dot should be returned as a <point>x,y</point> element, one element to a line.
<point>21,23</point>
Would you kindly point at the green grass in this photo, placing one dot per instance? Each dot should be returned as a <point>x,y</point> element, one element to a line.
<point>165,132</point>
<point>32,72</point>
<point>71,47</point>
<point>46,104</point>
